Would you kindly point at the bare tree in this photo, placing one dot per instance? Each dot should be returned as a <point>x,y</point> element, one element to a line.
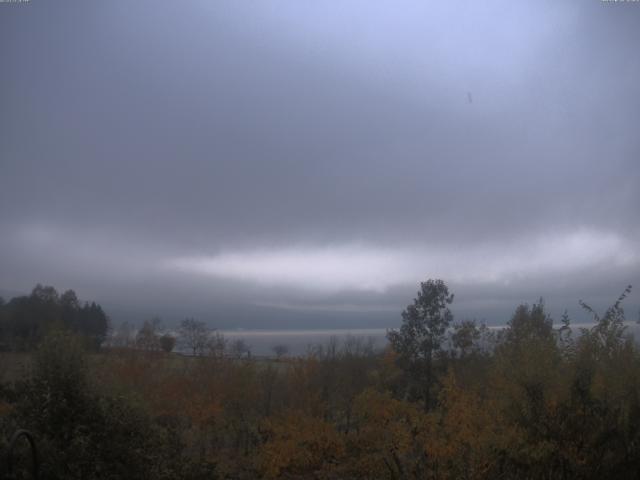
<point>147,337</point>
<point>239,347</point>
<point>280,350</point>
<point>217,345</point>
<point>194,335</point>
<point>122,336</point>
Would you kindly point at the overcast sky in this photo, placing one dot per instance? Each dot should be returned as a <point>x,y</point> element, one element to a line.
<point>307,164</point>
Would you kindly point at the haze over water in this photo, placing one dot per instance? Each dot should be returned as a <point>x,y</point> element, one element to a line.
<point>299,342</point>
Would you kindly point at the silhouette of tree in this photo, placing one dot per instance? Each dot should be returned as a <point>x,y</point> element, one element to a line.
<point>194,335</point>
<point>28,318</point>
<point>424,324</point>
<point>167,343</point>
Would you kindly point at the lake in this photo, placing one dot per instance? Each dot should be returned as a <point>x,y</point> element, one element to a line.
<point>261,342</point>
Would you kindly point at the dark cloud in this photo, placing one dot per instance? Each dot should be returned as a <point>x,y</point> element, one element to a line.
<point>225,157</point>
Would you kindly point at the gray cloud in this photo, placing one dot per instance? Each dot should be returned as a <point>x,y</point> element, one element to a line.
<point>223,157</point>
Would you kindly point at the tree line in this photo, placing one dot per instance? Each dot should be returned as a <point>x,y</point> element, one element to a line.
<point>193,337</point>
<point>446,399</point>
<point>25,320</point>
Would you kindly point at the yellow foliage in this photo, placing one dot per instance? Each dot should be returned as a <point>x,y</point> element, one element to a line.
<point>298,443</point>
<point>384,444</point>
<point>466,430</point>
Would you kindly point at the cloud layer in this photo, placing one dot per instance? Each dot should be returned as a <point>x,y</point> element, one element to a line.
<point>358,267</point>
<point>204,157</point>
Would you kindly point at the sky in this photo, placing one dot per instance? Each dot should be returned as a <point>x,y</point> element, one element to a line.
<point>288,164</point>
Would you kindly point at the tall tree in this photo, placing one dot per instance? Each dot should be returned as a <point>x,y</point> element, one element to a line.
<point>420,338</point>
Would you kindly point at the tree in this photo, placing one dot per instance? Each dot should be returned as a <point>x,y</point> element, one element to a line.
<point>29,318</point>
<point>194,335</point>
<point>239,348</point>
<point>167,343</point>
<point>45,294</point>
<point>42,311</point>
<point>94,323</point>
<point>147,337</point>
<point>55,395</point>
<point>529,324</point>
<point>217,345</point>
<point>609,333</point>
<point>424,324</point>
<point>82,430</point>
<point>122,337</point>
<point>465,337</point>
<point>69,299</point>
<point>298,444</point>
<point>280,350</point>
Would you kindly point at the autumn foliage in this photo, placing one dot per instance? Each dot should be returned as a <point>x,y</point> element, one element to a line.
<point>532,400</point>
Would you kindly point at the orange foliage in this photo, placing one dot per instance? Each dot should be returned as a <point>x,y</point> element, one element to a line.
<point>385,442</point>
<point>298,443</point>
<point>467,430</point>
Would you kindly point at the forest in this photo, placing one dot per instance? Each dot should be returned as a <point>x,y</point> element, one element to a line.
<point>445,399</point>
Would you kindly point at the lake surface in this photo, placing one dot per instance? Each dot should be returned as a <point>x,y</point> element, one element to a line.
<point>261,342</point>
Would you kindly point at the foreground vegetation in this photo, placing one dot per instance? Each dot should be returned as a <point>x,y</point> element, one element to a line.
<point>444,400</point>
